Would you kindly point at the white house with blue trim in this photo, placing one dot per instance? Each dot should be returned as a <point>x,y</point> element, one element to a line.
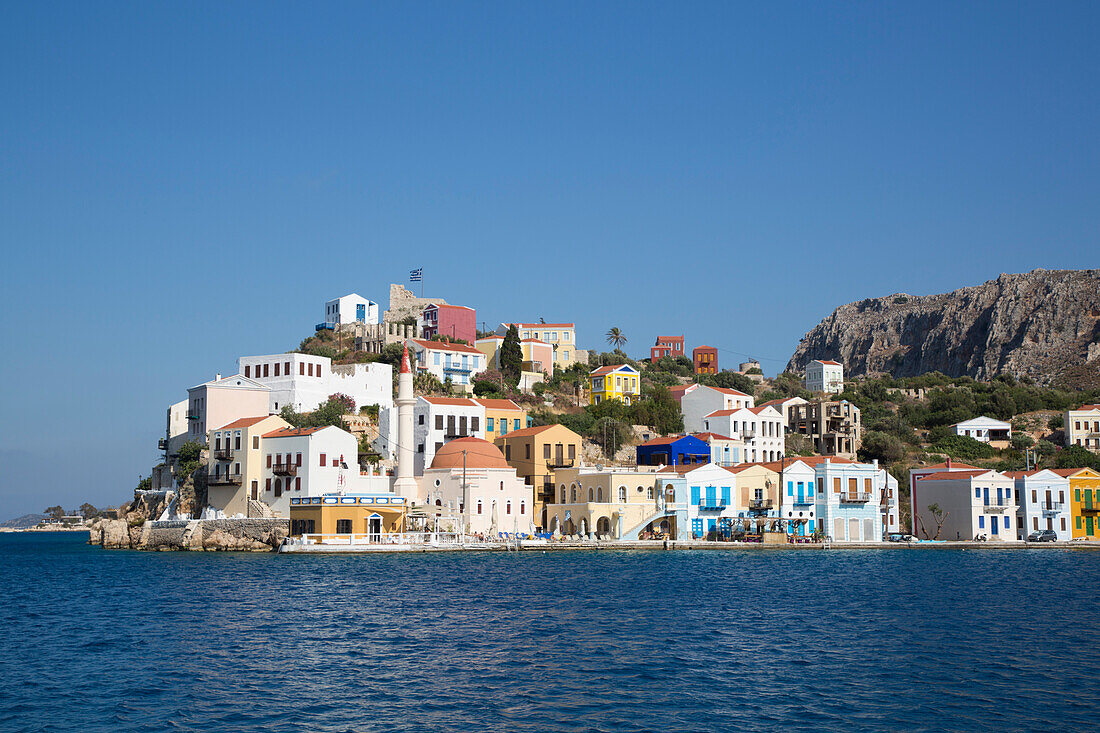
<point>798,498</point>
<point>703,499</point>
<point>850,499</point>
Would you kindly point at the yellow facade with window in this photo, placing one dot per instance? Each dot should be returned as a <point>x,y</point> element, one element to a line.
<point>622,382</point>
<point>347,515</point>
<point>1084,491</point>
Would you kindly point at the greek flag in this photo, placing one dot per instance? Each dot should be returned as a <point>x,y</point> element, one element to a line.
<point>416,275</point>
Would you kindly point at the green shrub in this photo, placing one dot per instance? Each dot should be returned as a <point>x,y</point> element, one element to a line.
<point>962,446</point>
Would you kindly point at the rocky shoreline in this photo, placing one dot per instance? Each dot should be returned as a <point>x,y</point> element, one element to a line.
<point>193,535</point>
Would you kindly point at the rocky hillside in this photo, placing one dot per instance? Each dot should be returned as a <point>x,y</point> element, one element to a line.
<point>1044,324</point>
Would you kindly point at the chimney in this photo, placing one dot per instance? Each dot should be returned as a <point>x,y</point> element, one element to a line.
<point>949,463</point>
<point>217,377</point>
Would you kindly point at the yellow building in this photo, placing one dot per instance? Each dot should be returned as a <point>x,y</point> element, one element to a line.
<point>621,382</point>
<point>536,453</point>
<point>343,514</point>
<point>236,470</point>
<point>1084,491</point>
<point>502,417</point>
<point>607,502</point>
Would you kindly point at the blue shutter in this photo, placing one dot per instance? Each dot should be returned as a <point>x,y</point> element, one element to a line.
<point>725,496</point>
<point>695,495</point>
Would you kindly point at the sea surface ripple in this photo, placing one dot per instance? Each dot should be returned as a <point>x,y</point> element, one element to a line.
<point>979,640</point>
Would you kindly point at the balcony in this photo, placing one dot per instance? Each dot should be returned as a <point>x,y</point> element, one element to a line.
<point>1000,507</point>
<point>451,434</point>
<point>162,444</point>
<point>1090,508</point>
<point>857,497</point>
<point>223,454</point>
<point>457,368</point>
<point>706,507</point>
<point>224,479</point>
<point>760,505</point>
<point>560,463</point>
<point>1050,508</point>
<point>284,469</point>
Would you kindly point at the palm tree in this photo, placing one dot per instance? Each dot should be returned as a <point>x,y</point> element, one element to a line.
<point>615,338</point>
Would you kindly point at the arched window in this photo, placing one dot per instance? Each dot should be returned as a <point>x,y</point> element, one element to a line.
<point>649,493</point>
<point>439,502</point>
<point>599,494</point>
<point>573,496</point>
<point>508,508</point>
<point>502,486</point>
<point>479,506</point>
<point>622,493</point>
<point>562,494</point>
<point>523,507</point>
<point>590,495</point>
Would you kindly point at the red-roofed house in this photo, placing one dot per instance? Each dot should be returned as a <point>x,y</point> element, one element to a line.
<point>824,375</point>
<point>618,382</point>
<point>457,362</point>
<point>235,469</point>
<point>761,428</point>
<point>703,400</point>
<point>705,359</point>
<point>667,346</point>
<point>307,462</point>
<point>562,338</point>
<point>974,502</point>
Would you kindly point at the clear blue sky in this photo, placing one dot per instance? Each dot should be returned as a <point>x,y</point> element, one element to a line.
<point>185,183</point>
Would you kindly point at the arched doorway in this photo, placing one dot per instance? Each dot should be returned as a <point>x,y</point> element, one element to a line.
<point>374,527</point>
<point>568,527</point>
<point>603,527</point>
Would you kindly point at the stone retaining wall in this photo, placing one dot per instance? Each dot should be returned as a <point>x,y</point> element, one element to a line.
<point>243,535</point>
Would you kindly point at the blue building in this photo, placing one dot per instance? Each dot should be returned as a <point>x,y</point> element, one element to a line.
<point>678,450</point>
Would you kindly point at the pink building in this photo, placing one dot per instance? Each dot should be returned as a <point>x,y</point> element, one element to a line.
<point>453,321</point>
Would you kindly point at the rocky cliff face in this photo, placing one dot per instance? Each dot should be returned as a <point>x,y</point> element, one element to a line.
<point>1044,324</point>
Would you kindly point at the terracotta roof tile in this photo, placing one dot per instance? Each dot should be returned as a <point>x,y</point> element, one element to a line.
<point>294,432</point>
<point>244,422</point>
<point>443,346</point>
<point>451,401</point>
<point>491,404</point>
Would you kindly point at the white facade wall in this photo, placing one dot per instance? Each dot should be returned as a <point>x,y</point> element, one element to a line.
<point>823,377</point>
<point>460,364</point>
<point>305,382</point>
<point>346,310</point>
<point>892,515</point>
<point>437,420</point>
<point>703,400</point>
<point>312,478</point>
<point>487,490</point>
<point>798,497</point>
<point>979,428</point>
<point>1043,502</point>
<point>762,430</point>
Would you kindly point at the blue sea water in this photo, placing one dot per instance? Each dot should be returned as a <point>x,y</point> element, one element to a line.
<point>980,640</point>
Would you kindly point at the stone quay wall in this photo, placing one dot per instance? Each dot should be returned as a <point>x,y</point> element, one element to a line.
<point>239,535</point>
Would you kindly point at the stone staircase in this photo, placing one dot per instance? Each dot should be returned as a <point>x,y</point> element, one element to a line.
<point>259,510</point>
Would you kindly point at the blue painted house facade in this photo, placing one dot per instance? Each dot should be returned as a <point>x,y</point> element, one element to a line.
<point>679,450</point>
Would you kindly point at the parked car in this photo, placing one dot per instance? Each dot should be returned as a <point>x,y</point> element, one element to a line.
<point>1043,535</point>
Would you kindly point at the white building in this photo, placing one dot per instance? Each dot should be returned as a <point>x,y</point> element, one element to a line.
<point>470,487</point>
<point>701,400</point>
<point>310,462</point>
<point>1042,502</point>
<point>221,401</point>
<point>798,498</point>
<point>1082,427</point>
<point>304,381</point>
<point>823,375</point>
<point>985,429</point>
<point>977,502</point>
<point>785,406</point>
<point>761,429</point>
<point>438,420</point>
<point>703,497</point>
<point>724,450</point>
<point>444,361</point>
<point>352,308</point>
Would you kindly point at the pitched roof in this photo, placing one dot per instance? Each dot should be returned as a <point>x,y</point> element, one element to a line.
<point>534,341</point>
<point>952,475</point>
<point>1087,407</point>
<point>528,432</point>
<point>953,467</point>
<point>294,432</point>
<point>601,371</point>
<point>830,362</point>
<point>542,325</point>
<point>667,440</point>
<point>244,422</point>
<point>726,390</point>
<point>723,413</point>
<point>451,401</point>
<point>761,408</point>
<point>444,346</point>
<point>494,404</point>
<point>1067,472</point>
<point>711,436</point>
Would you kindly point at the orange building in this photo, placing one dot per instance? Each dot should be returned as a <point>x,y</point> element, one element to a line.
<point>706,359</point>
